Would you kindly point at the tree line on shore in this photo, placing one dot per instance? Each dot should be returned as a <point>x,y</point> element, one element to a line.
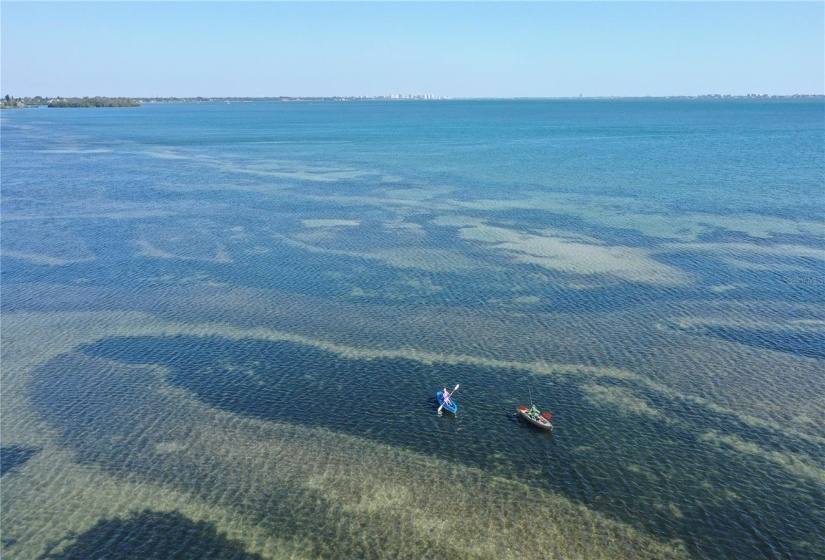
<point>10,102</point>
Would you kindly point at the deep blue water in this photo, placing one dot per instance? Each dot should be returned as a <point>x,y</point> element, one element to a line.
<point>677,241</point>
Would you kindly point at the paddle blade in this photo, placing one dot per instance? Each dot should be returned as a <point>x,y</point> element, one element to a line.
<point>547,415</point>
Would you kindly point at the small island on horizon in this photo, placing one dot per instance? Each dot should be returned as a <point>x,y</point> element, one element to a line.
<point>94,102</point>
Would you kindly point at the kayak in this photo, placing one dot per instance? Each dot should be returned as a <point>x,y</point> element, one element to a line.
<point>452,407</point>
<point>539,420</point>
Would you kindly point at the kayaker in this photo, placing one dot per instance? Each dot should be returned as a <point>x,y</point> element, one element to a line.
<point>445,396</point>
<point>534,412</point>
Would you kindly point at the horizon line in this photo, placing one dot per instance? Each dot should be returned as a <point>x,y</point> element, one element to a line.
<point>427,97</point>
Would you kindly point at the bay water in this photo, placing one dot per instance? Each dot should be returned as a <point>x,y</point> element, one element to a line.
<point>224,325</point>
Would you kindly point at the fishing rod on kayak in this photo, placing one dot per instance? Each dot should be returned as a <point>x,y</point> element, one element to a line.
<point>451,394</point>
<point>545,414</point>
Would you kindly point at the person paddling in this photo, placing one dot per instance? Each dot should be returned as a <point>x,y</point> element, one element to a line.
<point>445,400</point>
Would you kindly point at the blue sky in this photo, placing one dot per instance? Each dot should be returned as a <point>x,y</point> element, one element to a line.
<point>458,49</point>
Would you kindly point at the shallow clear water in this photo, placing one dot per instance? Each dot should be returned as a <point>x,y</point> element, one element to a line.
<point>224,325</point>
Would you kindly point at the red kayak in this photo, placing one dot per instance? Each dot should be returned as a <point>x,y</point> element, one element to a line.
<point>540,419</point>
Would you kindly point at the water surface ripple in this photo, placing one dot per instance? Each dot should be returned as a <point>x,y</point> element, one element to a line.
<point>224,326</point>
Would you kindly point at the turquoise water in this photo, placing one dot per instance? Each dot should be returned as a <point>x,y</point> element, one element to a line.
<point>224,324</point>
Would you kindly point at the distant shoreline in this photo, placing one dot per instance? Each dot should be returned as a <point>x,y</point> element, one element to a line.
<point>100,101</point>
<point>444,98</point>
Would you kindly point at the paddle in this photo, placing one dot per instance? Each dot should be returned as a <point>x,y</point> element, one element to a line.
<point>451,394</point>
<point>545,414</point>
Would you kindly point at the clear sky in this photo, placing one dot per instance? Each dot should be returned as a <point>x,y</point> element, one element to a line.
<point>459,49</point>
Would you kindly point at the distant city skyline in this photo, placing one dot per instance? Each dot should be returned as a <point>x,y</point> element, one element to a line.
<point>456,49</point>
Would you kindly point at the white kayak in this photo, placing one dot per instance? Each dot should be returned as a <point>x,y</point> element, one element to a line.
<point>542,420</point>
